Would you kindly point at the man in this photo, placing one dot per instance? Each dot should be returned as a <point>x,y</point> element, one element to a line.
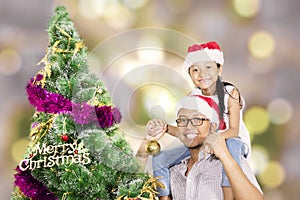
<point>199,176</point>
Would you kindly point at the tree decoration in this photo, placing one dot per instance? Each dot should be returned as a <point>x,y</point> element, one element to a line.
<point>31,187</point>
<point>152,147</point>
<point>65,138</point>
<point>76,149</point>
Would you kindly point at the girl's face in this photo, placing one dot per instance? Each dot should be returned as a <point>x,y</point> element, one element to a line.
<point>205,75</point>
<point>192,136</point>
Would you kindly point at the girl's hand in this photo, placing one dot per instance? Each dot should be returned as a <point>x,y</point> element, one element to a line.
<point>155,129</point>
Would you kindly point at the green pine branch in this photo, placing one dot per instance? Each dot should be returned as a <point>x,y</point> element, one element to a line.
<point>113,170</point>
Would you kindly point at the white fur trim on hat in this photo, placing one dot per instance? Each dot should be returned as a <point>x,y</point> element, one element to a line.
<point>202,56</point>
<point>197,104</point>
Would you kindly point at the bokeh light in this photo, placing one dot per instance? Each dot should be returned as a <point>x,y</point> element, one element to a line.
<point>18,149</point>
<point>157,112</point>
<point>269,31</point>
<point>163,98</point>
<point>135,4</point>
<point>118,16</point>
<point>246,8</point>
<point>126,66</point>
<point>178,6</point>
<point>280,111</point>
<point>149,54</point>
<point>261,44</point>
<point>91,9</point>
<point>273,175</point>
<point>257,120</point>
<point>274,195</point>
<point>110,10</point>
<point>10,61</point>
<point>259,158</point>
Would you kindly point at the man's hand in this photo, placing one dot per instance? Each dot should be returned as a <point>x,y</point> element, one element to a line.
<point>155,129</point>
<point>215,144</point>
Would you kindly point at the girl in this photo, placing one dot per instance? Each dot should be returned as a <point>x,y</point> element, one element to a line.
<point>204,64</point>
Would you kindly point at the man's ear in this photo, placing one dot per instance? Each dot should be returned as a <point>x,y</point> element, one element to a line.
<point>213,127</point>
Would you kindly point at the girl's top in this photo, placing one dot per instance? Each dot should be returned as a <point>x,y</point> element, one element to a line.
<point>243,131</point>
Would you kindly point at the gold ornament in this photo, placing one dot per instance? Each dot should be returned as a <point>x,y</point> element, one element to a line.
<point>152,147</point>
<point>99,91</point>
<point>150,187</point>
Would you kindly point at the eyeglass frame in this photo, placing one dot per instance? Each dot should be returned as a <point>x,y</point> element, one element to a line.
<point>190,120</point>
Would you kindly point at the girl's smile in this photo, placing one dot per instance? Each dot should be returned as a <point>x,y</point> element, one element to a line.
<point>204,75</point>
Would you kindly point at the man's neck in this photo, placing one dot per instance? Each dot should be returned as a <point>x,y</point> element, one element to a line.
<point>194,158</point>
<point>195,152</point>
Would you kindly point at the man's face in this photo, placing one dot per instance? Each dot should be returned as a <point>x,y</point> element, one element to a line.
<point>191,135</point>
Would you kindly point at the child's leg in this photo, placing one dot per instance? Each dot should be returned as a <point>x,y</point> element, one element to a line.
<point>161,164</point>
<point>237,149</point>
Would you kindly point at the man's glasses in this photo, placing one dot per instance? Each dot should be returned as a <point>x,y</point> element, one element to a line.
<point>197,121</point>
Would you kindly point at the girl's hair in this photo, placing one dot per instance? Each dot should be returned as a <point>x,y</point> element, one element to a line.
<point>221,89</point>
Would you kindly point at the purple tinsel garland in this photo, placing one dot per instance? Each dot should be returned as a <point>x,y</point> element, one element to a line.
<point>82,113</point>
<point>31,187</point>
<point>45,101</point>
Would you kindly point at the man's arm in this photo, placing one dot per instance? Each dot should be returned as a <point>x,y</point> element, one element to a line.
<point>172,130</point>
<point>241,186</point>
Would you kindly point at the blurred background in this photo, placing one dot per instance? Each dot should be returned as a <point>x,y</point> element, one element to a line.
<point>137,48</point>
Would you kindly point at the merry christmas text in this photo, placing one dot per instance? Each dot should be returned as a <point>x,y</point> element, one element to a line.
<point>55,155</point>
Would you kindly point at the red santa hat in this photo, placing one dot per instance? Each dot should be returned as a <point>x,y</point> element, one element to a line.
<point>200,105</point>
<point>209,51</point>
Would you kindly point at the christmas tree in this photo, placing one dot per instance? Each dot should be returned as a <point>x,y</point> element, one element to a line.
<point>76,150</point>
